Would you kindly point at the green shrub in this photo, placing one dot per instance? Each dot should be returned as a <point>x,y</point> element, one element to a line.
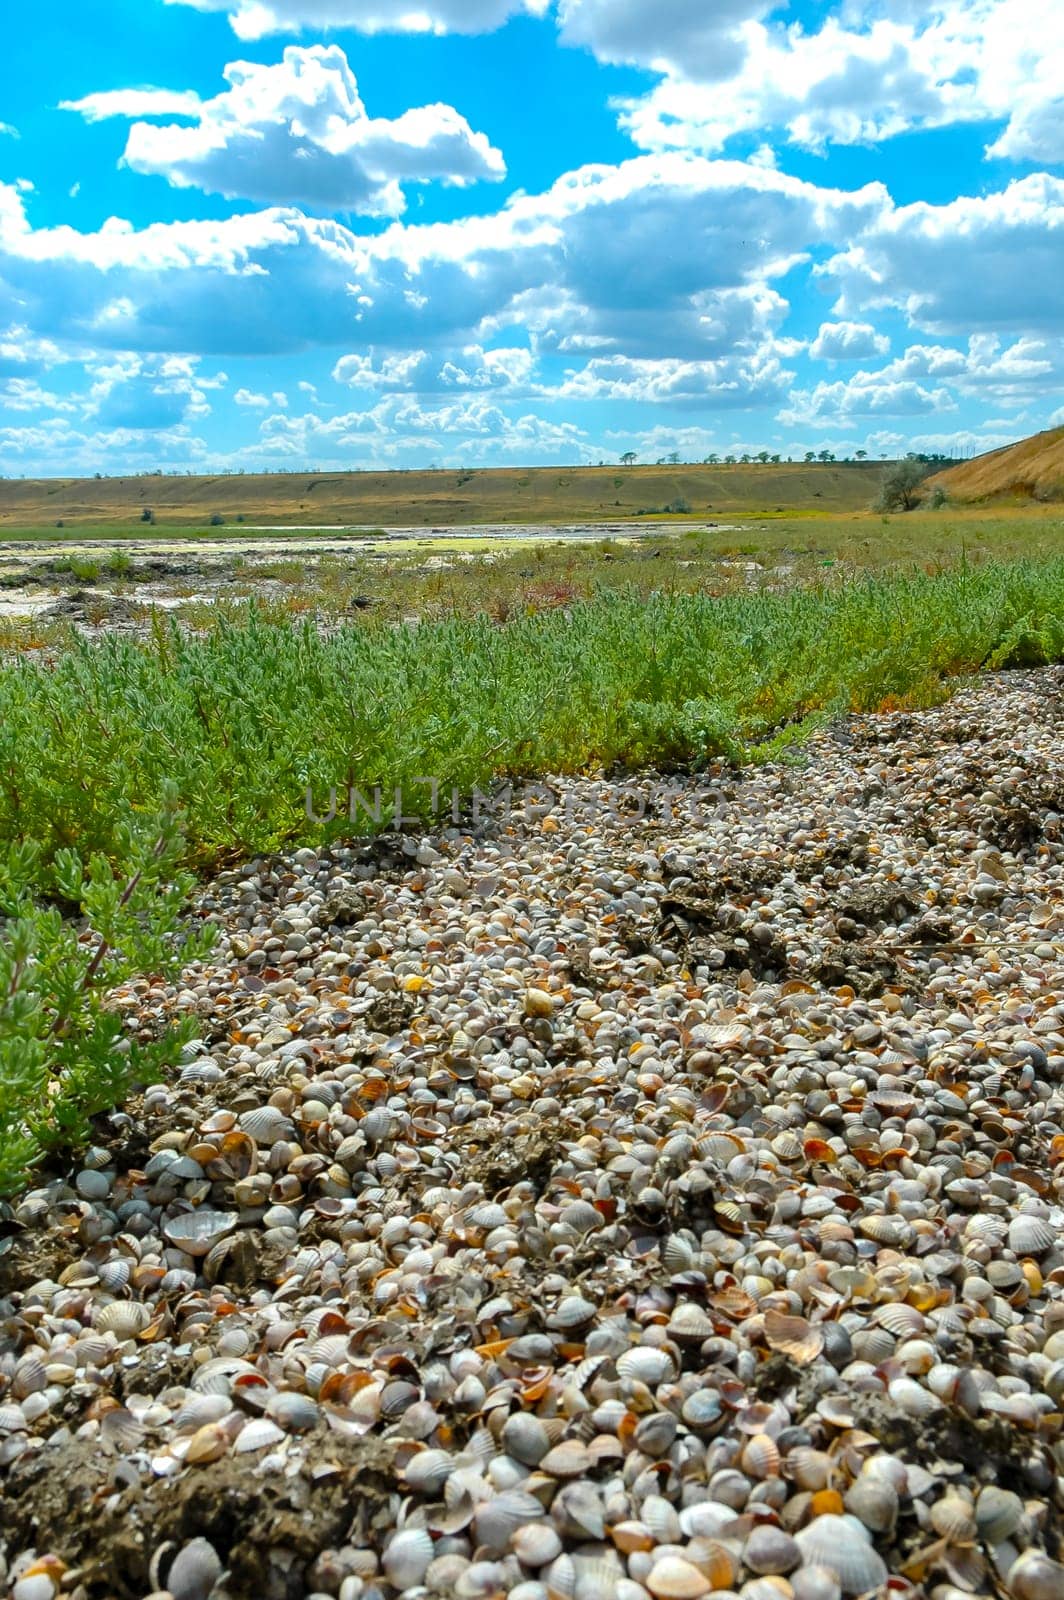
<point>64,1054</point>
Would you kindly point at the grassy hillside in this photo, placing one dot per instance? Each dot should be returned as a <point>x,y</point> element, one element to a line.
<point>442,498</point>
<point>1031,469</point>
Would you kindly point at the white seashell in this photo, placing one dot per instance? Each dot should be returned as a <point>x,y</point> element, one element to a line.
<point>1031,1235</point>
<point>646,1364</point>
<point>267,1125</point>
<point>912,1398</point>
<point>124,1318</point>
<point>216,1376</point>
<point>998,1513</point>
<point>407,1556</point>
<point>536,1545</point>
<point>429,1470</point>
<point>194,1572</point>
<point>844,1546</point>
<point>258,1434</point>
<point>815,1583</point>
<point>496,1521</point>
<point>874,1501</point>
<point>195,1232</point>
<point>1034,1576</point>
<point>673,1578</point>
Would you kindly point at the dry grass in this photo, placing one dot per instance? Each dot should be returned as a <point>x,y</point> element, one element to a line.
<point>1033,469</point>
<point>431,499</point>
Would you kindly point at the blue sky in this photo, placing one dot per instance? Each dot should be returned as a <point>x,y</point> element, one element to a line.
<point>238,234</point>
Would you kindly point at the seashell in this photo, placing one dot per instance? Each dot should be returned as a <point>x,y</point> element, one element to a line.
<point>998,1513</point>
<point>952,1518</point>
<point>124,1318</point>
<point>843,1545</point>
<point>525,1438</point>
<point>630,1536</point>
<point>114,1275</point>
<point>294,1412</point>
<point>677,1255</point>
<point>496,1521</point>
<point>29,1377</point>
<point>793,1336</point>
<point>267,1125</point>
<point>761,1457</point>
<point>259,1433</point>
<point>199,1409</point>
<point>901,1319</point>
<point>194,1571</point>
<point>646,1364</point>
<point>1031,1235</point>
<point>218,1375</point>
<point>571,1312</point>
<point>874,1501</point>
<point>560,1579</point>
<point>702,1410</point>
<point>706,1519</point>
<point>207,1444</point>
<point>673,1578</point>
<point>406,1557</point>
<point>689,1324</point>
<point>815,1583</point>
<point>577,1512</point>
<point>887,1229</point>
<point>1034,1576</point>
<point>428,1470</point>
<point>770,1550</point>
<point>661,1518</point>
<point>536,1545</point>
<point>912,1398</point>
<point>195,1232</point>
<point>570,1459</point>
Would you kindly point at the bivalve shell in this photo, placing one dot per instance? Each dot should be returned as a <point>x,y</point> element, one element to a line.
<point>843,1545</point>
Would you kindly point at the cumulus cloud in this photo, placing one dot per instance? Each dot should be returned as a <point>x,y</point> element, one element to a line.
<point>252,19</point>
<point>134,393</point>
<point>848,341</point>
<point>298,131</point>
<point>584,258</point>
<point>931,378</point>
<point>867,73</point>
<point>248,397</point>
<point>675,36</point>
<point>985,263</point>
<point>400,428</point>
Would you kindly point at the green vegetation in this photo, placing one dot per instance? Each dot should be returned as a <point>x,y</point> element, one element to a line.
<point>248,717</point>
<point>64,1052</point>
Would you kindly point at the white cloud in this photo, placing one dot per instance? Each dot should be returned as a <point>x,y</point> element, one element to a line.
<point>471,367</point>
<point>848,341</point>
<point>734,382</point>
<point>703,38</point>
<point>298,131</point>
<point>989,262</point>
<point>248,397</point>
<point>135,103</point>
<point>915,383</point>
<point>9,131</point>
<point>400,428</point>
<point>134,393</point>
<point>583,260</point>
<point>867,73</point>
<point>252,19</point>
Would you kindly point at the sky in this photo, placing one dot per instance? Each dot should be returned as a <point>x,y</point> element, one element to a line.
<point>239,235</point>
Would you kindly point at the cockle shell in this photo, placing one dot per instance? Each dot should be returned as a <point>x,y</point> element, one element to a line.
<point>195,1232</point>
<point>843,1545</point>
<point>673,1578</point>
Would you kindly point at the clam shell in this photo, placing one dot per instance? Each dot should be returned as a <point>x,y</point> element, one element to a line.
<point>673,1578</point>
<point>1035,1576</point>
<point>496,1521</point>
<point>793,1337</point>
<point>124,1318</point>
<point>258,1434</point>
<point>646,1364</point>
<point>194,1571</point>
<point>998,1513</point>
<point>771,1550</point>
<point>952,1518</point>
<point>1031,1235</point>
<point>406,1557</point>
<point>267,1125</point>
<point>536,1545</point>
<point>843,1545</point>
<point>195,1232</point>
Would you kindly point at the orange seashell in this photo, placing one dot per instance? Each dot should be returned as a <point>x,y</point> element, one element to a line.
<point>494,1348</point>
<point>827,1503</point>
<point>818,1150</point>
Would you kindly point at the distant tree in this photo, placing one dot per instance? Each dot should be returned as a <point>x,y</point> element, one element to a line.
<point>628,459</point>
<point>899,489</point>
<point>810,455</point>
<point>763,457</point>
<point>775,459</point>
<point>860,455</point>
<point>673,458</point>
<point>712,460</point>
<point>826,455</point>
<point>729,461</point>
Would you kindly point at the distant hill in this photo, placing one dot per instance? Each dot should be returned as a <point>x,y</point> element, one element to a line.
<point>1033,469</point>
<point>438,498</point>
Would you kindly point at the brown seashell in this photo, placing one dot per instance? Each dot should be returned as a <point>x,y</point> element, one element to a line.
<point>673,1578</point>
<point>793,1336</point>
<point>760,1457</point>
